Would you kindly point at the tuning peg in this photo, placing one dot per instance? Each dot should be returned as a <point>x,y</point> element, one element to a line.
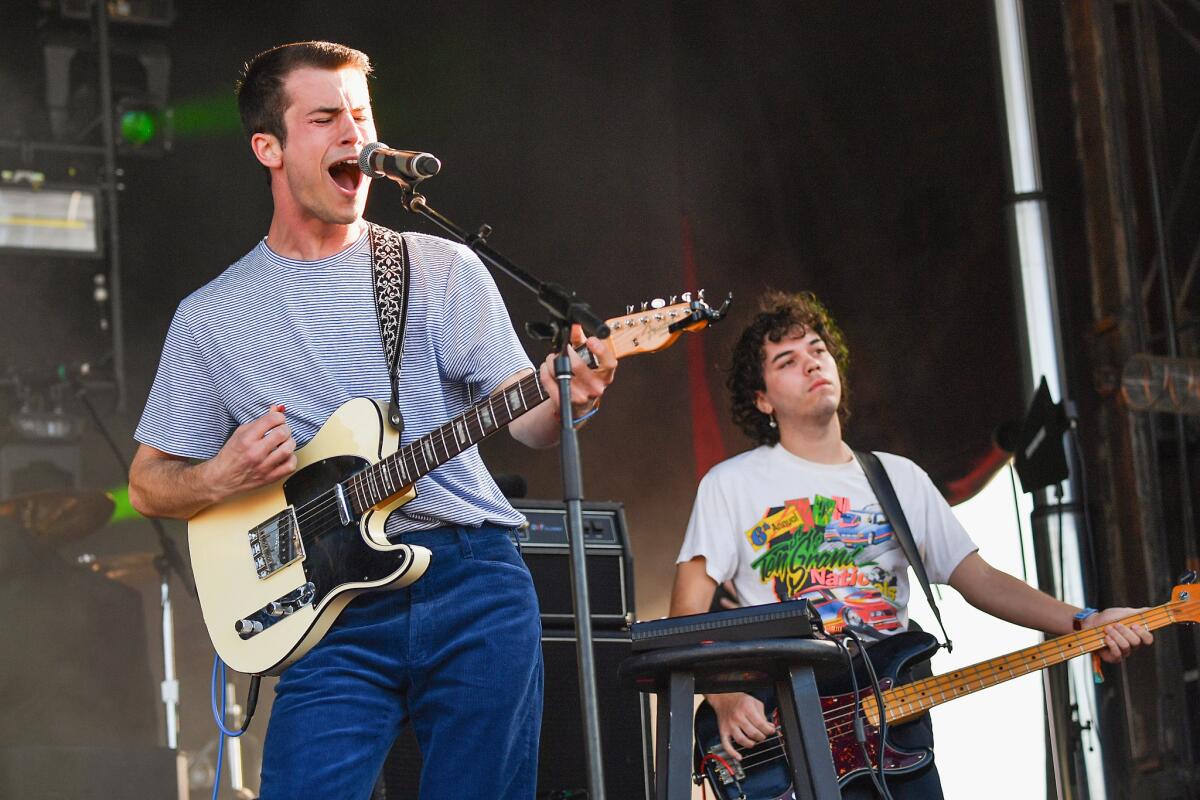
<point>674,299</point>
<point>628,309</point>
<point>657,302</point>
<point>1188,577</point>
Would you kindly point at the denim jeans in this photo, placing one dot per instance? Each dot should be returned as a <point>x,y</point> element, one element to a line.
<point>457,653</point>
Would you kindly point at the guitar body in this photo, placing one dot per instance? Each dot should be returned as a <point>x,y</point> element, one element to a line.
<point>767,774</point>
<point>331,563</point>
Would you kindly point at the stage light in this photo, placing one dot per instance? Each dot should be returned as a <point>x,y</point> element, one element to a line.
<point>49,220</point>
<point>140,76</point>
<point>143,125</point>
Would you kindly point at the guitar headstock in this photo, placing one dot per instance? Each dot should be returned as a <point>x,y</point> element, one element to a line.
<point>1185,601</point>
<point>658,323</point>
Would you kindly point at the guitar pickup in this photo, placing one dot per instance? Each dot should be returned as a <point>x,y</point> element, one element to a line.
<point>275,543</point>
<point>250,626</point>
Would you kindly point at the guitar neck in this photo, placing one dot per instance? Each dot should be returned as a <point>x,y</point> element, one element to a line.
<point>647,331</point>
<point>395,473</point>
<point>912,699</point>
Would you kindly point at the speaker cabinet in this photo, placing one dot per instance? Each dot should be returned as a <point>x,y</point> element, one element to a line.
<point>624,721</point>
<point>606,552</point>
<point>562,760</point>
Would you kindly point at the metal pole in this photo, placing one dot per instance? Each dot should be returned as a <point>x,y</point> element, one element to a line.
<point>1043,357</point>
<point>233,744</point>
<point>109,182</point>
<point>1163,264</point>
<point>572,476</point>
<point>170,685</point>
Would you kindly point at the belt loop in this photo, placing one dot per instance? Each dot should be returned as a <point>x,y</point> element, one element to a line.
<point>464,543</point>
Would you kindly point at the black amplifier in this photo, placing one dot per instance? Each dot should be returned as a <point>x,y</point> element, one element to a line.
<point>606,553</point>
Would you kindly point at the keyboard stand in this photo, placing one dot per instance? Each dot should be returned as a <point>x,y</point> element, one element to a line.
<point>789,666</point>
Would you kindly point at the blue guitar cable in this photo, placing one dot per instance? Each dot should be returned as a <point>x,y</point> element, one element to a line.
<point>219,715</point>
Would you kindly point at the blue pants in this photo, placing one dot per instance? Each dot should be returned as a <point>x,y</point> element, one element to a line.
<point>458,653</point>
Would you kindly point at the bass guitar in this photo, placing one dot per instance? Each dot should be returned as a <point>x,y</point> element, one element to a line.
<point>275,566</point>
<point>764,773</point>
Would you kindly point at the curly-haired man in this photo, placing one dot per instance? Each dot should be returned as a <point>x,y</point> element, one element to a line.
<point>796,517</point>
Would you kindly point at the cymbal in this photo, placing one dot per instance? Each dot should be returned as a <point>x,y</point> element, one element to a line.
<point>59,516</point>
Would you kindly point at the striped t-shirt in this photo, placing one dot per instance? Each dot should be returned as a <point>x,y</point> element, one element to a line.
<point>272,330</point>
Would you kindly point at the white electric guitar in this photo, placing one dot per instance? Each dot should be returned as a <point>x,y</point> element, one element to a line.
<point>276,565</point>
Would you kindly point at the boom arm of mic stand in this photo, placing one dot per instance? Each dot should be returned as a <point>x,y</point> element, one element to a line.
<point>562,303</point>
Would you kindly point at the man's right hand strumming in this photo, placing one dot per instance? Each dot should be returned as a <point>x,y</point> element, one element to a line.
<point>741,719</point>
<point>259,452</point>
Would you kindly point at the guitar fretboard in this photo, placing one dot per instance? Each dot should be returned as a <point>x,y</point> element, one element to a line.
<point>910,700</point>
<point>396,473</point>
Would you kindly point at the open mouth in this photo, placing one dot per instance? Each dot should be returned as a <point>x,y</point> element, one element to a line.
<point>346,175</point>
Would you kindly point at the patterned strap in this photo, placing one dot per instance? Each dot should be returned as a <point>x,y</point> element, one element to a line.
<point>389,260</point>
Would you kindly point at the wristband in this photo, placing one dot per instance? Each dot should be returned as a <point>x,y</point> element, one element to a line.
<point>578,420</point>
<point>1077,624</point>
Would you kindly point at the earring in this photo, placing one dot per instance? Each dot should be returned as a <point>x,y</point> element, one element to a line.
<point>771,422</point>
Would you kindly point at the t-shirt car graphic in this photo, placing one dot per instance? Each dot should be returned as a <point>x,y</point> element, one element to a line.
<point>868,526</point>
<point>858,608</point>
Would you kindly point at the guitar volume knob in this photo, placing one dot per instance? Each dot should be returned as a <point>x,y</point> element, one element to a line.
<point>247,627</point>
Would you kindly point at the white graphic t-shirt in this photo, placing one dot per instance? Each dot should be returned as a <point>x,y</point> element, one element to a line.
<point>781,527</point>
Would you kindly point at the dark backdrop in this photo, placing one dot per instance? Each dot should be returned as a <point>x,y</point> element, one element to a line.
<point>852,149</point>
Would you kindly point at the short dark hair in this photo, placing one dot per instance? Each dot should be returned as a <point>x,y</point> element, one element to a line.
<point>260,93</point>
<point>781,314</point>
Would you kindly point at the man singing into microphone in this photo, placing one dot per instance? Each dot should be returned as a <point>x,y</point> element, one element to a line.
<point>253,365</point>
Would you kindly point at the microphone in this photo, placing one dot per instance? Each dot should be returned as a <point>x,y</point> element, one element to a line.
<point>377,160</point>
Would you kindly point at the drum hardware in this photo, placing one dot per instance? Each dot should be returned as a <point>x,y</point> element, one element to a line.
<point>124,567</point>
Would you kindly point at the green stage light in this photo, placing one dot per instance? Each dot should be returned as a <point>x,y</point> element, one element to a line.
<point>138,127</point>
<point>143,127</point>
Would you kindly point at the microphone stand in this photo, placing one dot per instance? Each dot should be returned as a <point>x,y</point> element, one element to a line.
<point>565,310</point>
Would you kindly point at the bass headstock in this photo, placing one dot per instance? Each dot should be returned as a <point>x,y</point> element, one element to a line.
<point>658,323</point>
<point>1185,600</point>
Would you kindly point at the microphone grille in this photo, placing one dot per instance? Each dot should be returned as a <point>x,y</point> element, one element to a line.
<point>364,160</point>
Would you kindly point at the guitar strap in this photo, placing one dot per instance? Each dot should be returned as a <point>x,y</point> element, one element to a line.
<point>390,266</point>
<point>885,493</point>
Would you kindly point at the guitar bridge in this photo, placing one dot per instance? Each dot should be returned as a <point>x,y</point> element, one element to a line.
<point>275,543</point>
<point>718,766</point>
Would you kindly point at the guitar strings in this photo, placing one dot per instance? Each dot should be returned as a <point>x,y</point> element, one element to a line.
<point>1090,641</point>
<point>321,512</point>
<point>408,453</point>
<point>1153,618</point>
